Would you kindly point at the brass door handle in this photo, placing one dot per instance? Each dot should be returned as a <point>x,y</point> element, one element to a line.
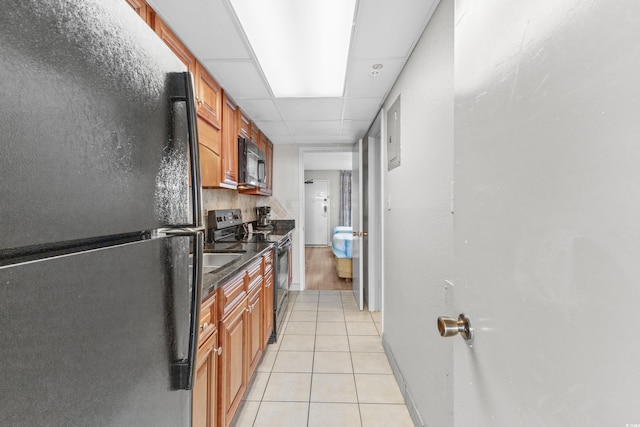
<point>449,327</point>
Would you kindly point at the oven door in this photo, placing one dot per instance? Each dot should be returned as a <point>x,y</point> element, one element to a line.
<point>283,278</point>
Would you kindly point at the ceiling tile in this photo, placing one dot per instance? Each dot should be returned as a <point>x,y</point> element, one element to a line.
<point>205,27</point>
<point>388,29</point>
<point>361,108</point>
<point>348,140</point>
<point>260,109</point>
<point>310,108</point>
<point>240,79</point>
<point>281,140</point>
<point>316,140</point>
<point>360,83</point>
<point>320,128</point>
<point>355,128</point>
<point>273,129</point>
<point>384,32</point>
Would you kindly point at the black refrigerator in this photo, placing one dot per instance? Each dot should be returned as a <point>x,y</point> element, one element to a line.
<point>100,219</point>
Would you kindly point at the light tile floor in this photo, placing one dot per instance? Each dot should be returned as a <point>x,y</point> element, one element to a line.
<point>328,369</point>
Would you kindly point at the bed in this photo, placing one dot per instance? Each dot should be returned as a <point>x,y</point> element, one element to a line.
<point>341,246</point>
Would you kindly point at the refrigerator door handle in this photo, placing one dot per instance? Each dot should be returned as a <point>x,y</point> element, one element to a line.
<point>182,91</point>
<point>182,371</point>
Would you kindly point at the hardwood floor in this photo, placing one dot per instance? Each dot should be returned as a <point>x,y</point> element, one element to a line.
<point>320,270</point>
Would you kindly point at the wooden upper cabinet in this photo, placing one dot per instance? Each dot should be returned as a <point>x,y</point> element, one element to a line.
<point>245,125</point>
<point>230,131</point>
<point>209,136</point>
<point>210,149</point>
<point>254,136</point>
<point>269,168</point>
<point>208,96</point>
<point>140,6</point>
<point>262,142</point>
<point>174,44</point>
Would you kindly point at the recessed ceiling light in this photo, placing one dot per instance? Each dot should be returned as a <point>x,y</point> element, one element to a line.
<point>377,66</point>
<point>302,46</point>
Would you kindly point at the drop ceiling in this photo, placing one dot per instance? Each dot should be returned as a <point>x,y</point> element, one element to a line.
<point>385,32</point>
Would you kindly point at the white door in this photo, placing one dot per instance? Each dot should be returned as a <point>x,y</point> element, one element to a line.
<point>547,208</point>
<point>316,211</point>
<point>356,223</point>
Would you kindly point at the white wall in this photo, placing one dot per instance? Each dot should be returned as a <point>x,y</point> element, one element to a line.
<point>418,231</point>
<point>328,161</point>
<point>286,181</point>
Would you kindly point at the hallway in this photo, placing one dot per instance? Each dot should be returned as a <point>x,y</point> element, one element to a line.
<point>320,270</point>
<point>328,368</point>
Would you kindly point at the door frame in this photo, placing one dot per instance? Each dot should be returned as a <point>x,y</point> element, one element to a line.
<point>341,148</point>
<point>375,241</point>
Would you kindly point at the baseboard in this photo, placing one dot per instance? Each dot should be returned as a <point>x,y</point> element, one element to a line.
<point>295,287</point>
<point>404,389</point>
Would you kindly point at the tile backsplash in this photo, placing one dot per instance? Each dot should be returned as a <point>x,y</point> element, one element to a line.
<point>231,199</point>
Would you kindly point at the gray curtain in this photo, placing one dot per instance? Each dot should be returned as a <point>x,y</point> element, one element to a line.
<point>345,198</point>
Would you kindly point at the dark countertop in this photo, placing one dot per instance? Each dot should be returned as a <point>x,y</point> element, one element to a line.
<point>250,251</point>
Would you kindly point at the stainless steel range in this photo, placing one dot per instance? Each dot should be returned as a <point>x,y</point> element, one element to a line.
<point>228,233</point>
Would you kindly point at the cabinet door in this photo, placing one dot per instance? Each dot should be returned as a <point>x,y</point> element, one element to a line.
<point>208,96</point>
<point>254,134</point>
<point>245,125</point>
<point>230,131</point>
<point>174,44</point>
<point>209,167</point>
<point>255,320</point>
<point>233,362</point>
<point>209,136</point>
<point>262,142</point>
<point>205,384</point>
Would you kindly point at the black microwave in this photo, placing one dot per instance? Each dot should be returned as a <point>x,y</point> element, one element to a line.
<point>251,165</point>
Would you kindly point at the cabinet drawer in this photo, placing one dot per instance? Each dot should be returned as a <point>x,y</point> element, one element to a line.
<point>254,270</point>
<point>208,318</point>
<point>268,259</point>
<point>254,275</point>
<point>232,293</point>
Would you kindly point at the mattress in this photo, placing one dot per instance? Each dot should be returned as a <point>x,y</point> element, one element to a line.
<point>343,229</point>
<point>341,245</point>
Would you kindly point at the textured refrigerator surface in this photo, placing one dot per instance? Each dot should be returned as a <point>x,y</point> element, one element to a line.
<point>86,124</point>
<point>95,154</point>
<point>88,343</point>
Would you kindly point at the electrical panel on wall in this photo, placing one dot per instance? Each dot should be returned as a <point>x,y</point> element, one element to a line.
<point>393,135</point>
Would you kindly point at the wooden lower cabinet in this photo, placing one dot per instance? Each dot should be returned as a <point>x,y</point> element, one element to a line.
<point>234,327</point>
<point>205,388</point>
<point>255,320</point>
<point>233,362</point>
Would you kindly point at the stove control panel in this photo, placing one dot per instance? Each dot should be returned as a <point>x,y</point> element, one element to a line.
<point>223,218</point>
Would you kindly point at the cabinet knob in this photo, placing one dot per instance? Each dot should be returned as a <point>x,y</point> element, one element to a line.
<point>218,351</point>
<point>204,326</point>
